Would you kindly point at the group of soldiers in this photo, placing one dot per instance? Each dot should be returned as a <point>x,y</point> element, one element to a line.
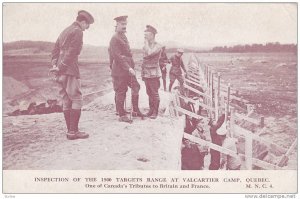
<point>66,71</point>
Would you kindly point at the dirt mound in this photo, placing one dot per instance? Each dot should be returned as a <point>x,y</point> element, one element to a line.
<point>12,87</point>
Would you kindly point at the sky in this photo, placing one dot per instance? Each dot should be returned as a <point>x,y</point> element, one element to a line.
<point>188,24</point>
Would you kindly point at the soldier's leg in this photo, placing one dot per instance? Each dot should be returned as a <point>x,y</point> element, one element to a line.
<point>154,86</point>
<point>164,76</point>
<point>120,88</point>
<point>74,92</point>
<point>181,81</point>
<point>66,102</point>
<point>150,97</point>
<point>172,80</point>
<point>135,88</point>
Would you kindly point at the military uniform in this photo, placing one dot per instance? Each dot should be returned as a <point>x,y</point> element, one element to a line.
<point>175,71</point>
<point>151,74</point>
<point>162,64</point>
<point>121,61</point>
<point>65,56</point>
<point>216,138</point>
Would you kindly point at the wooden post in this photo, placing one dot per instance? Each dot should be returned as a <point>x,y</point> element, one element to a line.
<point>227,103</point>
<point>212,92</point>
<point>216,104</point>
<point>232,122</point>
<point>219,87</point>
<point>262,122</point>
<point>284,158</point>
<point>248,151</point>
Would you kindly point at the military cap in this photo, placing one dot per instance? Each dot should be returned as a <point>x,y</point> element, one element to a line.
<point>121,18</point>
<point>87,16</point>
<point>180,50</point>
<point>151,29</point>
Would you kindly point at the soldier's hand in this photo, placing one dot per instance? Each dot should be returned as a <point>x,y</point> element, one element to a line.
<point>131,72</point>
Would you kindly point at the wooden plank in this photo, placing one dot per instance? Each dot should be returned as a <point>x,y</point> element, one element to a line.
<point>239,131</point>
<point>189,113</point>
<point>286,155</point>
<point>265,165</point>
<point>192,82</point>
<point>193,79</point>
<point>226,151</point>
<point>248,151</point>
<point>248,119</point>
<point>196,91</point>
<point>196,102</point>
<point>210,145</point>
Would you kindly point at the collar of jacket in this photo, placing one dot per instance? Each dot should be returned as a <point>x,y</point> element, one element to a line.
<point>76,23</point>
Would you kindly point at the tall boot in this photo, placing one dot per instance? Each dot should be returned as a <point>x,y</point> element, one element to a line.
<point>67,118</point>
<point>155,109</point>
<point>74,132</point>
<point>150,106</point>
<point>170,86</point>
<point>122,113</point>
<point>135,103</point>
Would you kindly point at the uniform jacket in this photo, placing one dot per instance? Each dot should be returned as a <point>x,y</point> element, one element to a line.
<point>120,55</point>
<point>67,49</point>
<point>163,60</point>
<point>177,64</point>
<point>150,65</point>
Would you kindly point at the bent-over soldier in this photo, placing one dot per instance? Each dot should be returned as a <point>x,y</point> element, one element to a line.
<point>65,63</point>
<point>175,71</point>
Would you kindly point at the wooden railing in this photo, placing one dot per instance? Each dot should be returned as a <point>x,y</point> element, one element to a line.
<point>215,95</point>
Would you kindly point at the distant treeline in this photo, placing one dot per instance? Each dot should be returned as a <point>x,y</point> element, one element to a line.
<point>268,47</point>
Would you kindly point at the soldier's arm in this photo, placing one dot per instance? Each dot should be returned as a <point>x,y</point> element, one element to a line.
<point>219,122</point>
<point>55,53</point>
<point>149,53</point>
<point>74,47</point>
<point>182,65</point>
<point>116,52</point>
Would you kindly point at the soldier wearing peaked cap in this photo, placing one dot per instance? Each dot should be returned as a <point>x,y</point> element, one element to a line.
<point>65,67</point>
<point>151,72</point>
<point>122,70</point>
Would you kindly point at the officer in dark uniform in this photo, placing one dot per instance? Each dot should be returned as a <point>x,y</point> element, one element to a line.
<point>65,67</point>
<point>175,71</point>
<point>122,70</point>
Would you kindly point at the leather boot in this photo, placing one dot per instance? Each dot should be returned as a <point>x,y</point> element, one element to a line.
<point>155,109</point>
<point>151,107</point>
<point>67,118</point>
<point>135,103</point>
<point>74,132</point>
<point>124,118</point>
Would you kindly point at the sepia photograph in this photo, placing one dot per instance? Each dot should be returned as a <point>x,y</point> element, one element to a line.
<point>150,87</point>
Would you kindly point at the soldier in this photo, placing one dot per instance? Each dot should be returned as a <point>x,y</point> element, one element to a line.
<point>175,72</point>
<point>122,71</point>
<point>151,70</point>
<point>65,65</point>
<point>218,134</point>
<point>162,63</point>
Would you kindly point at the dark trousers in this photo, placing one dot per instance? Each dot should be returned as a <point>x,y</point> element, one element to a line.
<point>173,77</point>
<point>152,86</point>
<point>215,156</point>
<point>121,84</point>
